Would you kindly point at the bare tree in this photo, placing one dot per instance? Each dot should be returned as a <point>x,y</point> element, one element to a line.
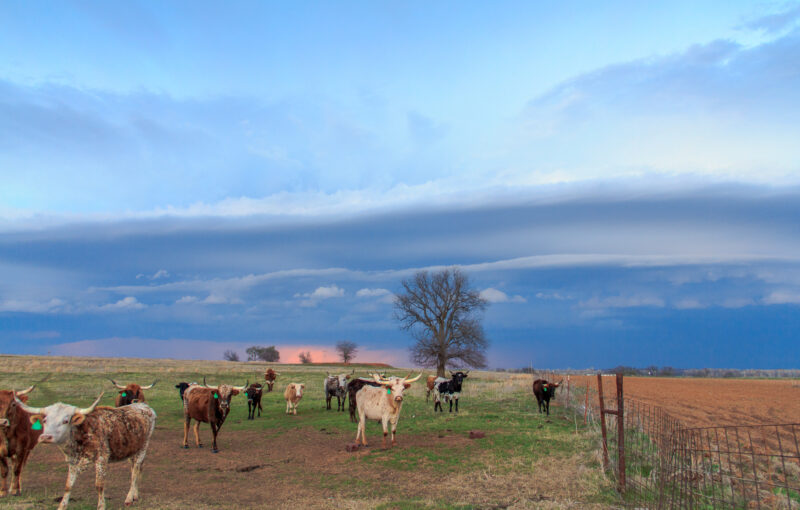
<point>347,350</point>
<point>230,355</point>
<point>444,315</point>
<point>305,357</point>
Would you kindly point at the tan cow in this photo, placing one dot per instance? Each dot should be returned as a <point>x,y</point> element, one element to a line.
<point>293,394</point>
<point>381,403</point>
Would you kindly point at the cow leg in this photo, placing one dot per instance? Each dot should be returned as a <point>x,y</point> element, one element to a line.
<point>259,409</point>
<point>19,465</point>
<point>100,469</point>
<point>197,434</point>
<point>451,404</point>
<point>287,407</point>
<point>136,471</point>
<point>394,432</point>
<point>327,402</point>
<point>4,474</point>
<point>362,428</point>
<point>547,406</point>
<point>187,421</point>
<point>214,431</point>
<point>385,424</point>
<point>75,467</point>
<point>456,404</point>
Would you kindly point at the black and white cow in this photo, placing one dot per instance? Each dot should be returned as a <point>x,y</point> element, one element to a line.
<point>449,388</point>
<point>336,386</point>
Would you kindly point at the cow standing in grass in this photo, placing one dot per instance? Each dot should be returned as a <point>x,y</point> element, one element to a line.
<point>130,393</point>
<point>336,386</point>
<point>382,403</point>
<point>254,393</point>
<point>207,404</point>
<point>292,394</point>
<point>449,388</point>
<point>270,376</point>
<point>97,435</point>
<point>544,391</point>
<point>17,439</point>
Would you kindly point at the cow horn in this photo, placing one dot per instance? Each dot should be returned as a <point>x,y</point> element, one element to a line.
<point>148,387</point>
<point>414,379</point>
<point>25,392</point>
<point>26,408</point>
<point>117,385</point>
<point>243,388</point>
<point>88,410</point>
<point>379,381</point>
<point>204,382</point>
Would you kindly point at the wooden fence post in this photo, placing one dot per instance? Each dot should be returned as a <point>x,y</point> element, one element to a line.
<point>602,420</point>
<point>621,435</point>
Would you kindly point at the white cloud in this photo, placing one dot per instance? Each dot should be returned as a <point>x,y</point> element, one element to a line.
<point>372,292</point>
<point>26,306</point>
<point>493,295</point>
<point>161,273</point>
<point>127,303</point>
<point>782,297</point>
<point>320,293</point>
<point>689,304</point>
<point>186,300</point>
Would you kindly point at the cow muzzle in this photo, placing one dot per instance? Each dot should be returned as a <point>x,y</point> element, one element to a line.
<point>398,398</point>
<point>45,438</point>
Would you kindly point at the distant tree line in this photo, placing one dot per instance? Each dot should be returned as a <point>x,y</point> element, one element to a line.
<point>667,371</point>
<point>255,353</point>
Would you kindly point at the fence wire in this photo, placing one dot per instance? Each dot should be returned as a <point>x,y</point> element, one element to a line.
<point>668,464</point>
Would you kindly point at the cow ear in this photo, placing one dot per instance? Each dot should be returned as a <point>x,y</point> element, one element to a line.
<point>303,386</point>
<point>36,417</point>
<point>22,398</point>
<point>78,418</point>
<point>234,392</point>
<point>406,385</point>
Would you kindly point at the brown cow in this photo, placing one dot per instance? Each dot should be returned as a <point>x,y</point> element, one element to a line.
<point>97,435</point>
<point>270,376</point>
<point>544,391</point>
<point>293,394</point>
<point>130,393</point>
<point>208,405</point>
<point>17,437</point>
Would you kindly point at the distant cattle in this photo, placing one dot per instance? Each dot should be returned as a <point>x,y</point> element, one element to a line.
<point>544,391</point>
<point>182,387</point>
<point>381,403</point>
<point>430,384</point>
<point>17,438</point>
<point>130,393</point>
<point>336,386</point>
<point>254,400</point>
<point>449,389</point>
<point>270,376</point>
<point>293,393</point>
<point>352,389</point>
<point>207,404</point>
<point>97,434</point>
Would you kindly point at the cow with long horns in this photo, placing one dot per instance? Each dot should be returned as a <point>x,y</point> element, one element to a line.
<point>130,393</point>
<point>207,404</point>
<point>544,391</point>
<point>381,403</point>
<point>17,439</point>
<point>99,435</point>
<point>270,376</point>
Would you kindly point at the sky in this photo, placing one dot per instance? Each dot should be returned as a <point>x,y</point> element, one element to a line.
<point>620,180</point>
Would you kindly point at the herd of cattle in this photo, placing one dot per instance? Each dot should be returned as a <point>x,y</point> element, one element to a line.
<point>101,434</point>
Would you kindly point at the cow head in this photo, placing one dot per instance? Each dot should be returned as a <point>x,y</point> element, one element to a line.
<point>57,420</point>
<point>224,393</point>
<point>458,379</point>
<point>8,413</point>
<point>551,388</point>
<point>396,385</point>
<point>270,377</point>
<point>130,393</point>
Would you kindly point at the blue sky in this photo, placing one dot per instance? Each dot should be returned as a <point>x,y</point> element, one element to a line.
<point>620,179</point>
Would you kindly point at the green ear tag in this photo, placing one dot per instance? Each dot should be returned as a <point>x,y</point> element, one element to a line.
<point>216,396</point>
<point>388,391</point>
<point>37,425</point>
<point>124,394</point>
<point>545,388</point>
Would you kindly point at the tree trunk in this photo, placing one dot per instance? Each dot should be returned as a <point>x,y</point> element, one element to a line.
<point>440,368</point>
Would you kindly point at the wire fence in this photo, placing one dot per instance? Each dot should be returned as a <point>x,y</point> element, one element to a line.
<point>658,461</point>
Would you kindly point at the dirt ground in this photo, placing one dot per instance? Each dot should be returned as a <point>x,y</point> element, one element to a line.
<point>285,471</point>
<point>703,402</point>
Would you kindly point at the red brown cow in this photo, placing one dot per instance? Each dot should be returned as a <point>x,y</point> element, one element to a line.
<point>270,377</point>
<point>99,435</point>
<point>17,439</point>
<point>210,405</point>
<point>130,393</point>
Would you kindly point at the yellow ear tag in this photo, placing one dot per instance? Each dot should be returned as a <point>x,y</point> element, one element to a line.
<point>37,425</point>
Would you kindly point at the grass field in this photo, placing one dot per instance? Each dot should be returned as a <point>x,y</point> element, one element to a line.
<point>525,461</point>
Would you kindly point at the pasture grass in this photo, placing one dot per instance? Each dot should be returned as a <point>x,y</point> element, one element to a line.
<point>521,446</point>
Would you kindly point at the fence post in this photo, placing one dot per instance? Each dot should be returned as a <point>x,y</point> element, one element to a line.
<point>602,420</point>
<point>620,434</point>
